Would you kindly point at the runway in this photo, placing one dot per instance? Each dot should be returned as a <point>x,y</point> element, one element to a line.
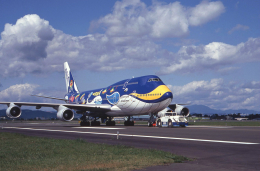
<point>214,148</point>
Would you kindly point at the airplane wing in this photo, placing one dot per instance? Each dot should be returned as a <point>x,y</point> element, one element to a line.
<point>83,107</point>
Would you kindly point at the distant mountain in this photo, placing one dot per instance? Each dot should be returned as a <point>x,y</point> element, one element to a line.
<point>206,110</point>
<point>32,114</point>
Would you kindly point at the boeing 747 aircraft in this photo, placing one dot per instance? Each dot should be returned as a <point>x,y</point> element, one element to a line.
<point>146,95</point>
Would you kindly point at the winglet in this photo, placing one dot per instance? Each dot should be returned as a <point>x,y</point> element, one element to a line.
<point>71,86</point>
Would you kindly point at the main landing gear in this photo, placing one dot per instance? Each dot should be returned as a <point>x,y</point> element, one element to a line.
<point>128,122</point>
<point>110,122</point>
<point>95,123</point>
<point>85,122</point>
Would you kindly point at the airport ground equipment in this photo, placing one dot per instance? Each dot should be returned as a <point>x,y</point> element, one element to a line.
<point>171,119</point>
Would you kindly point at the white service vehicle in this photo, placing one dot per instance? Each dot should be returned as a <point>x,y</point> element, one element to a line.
<point>168,118</point>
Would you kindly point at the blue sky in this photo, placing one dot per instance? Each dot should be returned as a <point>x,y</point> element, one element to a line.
<point>207,52</point>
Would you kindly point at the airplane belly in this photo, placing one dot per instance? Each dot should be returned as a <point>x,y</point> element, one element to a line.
<point>146,108</point>
<point>154,107</point>
<point>162,105</point>
<point>139,107</point>
<point>130,106</point>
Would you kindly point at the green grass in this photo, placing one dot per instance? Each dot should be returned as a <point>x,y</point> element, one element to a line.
<point>20,152</point>
<point>226,123</point>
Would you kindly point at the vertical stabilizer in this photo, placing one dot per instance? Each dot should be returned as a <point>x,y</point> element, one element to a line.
<point>71,86</point>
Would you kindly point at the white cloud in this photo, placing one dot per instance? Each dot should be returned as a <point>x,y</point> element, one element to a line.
<point>205,12</point>
<point>213,56</point>
<point>18,92</point>
<point>134,18</point>
<point>33,46</point>
<point>23,92</point>
<point>238,27</point>
<point>24,44</point>
<point>219,94</point>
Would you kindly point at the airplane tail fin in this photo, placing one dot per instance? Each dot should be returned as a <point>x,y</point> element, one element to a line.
<point>71,86</point>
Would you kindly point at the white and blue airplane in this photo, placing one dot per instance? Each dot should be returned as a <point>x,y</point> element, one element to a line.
<point>146,95</point>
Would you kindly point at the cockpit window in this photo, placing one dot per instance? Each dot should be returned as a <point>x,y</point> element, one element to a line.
<point>154,79</point>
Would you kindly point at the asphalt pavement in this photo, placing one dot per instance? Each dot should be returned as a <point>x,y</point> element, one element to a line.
<point>211,147</point>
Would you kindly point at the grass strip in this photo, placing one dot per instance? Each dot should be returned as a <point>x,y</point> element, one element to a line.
<point>21,152</point>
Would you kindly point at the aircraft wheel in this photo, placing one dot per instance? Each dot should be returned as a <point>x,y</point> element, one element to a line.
<point>95,123</point>
<point>129,123</point>
<point>84,123</point>
<point>149,124</point>
<point>110,123</point>
<point>169,123</point>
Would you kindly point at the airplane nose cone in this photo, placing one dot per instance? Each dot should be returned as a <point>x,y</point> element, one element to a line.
<point>167,95</point>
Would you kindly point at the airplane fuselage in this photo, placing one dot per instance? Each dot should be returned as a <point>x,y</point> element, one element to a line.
<point>135,96</point>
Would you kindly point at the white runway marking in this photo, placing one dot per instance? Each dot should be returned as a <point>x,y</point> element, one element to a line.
<point>210,126</point>
<point>97,128</point>
<point>129,135</point>
<point>33,123</point>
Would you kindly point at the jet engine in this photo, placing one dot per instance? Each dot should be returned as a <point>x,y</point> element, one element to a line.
<point>65,114</point>
<point>13,111</point>
<point>181,110</point>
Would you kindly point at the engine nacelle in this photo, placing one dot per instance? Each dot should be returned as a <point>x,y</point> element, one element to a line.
<point>65,114</point>
<point>181,110</point>
<point>13,111</point>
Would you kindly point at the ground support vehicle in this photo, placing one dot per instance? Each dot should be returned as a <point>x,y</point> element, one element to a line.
<point>171,119</point>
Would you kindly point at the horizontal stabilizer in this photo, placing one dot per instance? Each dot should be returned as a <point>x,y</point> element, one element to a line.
<point>50,97</point>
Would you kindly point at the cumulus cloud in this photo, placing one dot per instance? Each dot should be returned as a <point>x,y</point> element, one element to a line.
<point>213,56</point>
<point>238,27</point>
<point>18,92</point>
<point>134,18</point>
<point>24,44</point>
<point>219,94</point>
<point>205,12</point>
<point>32,45</point>
<point>23,92</point>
